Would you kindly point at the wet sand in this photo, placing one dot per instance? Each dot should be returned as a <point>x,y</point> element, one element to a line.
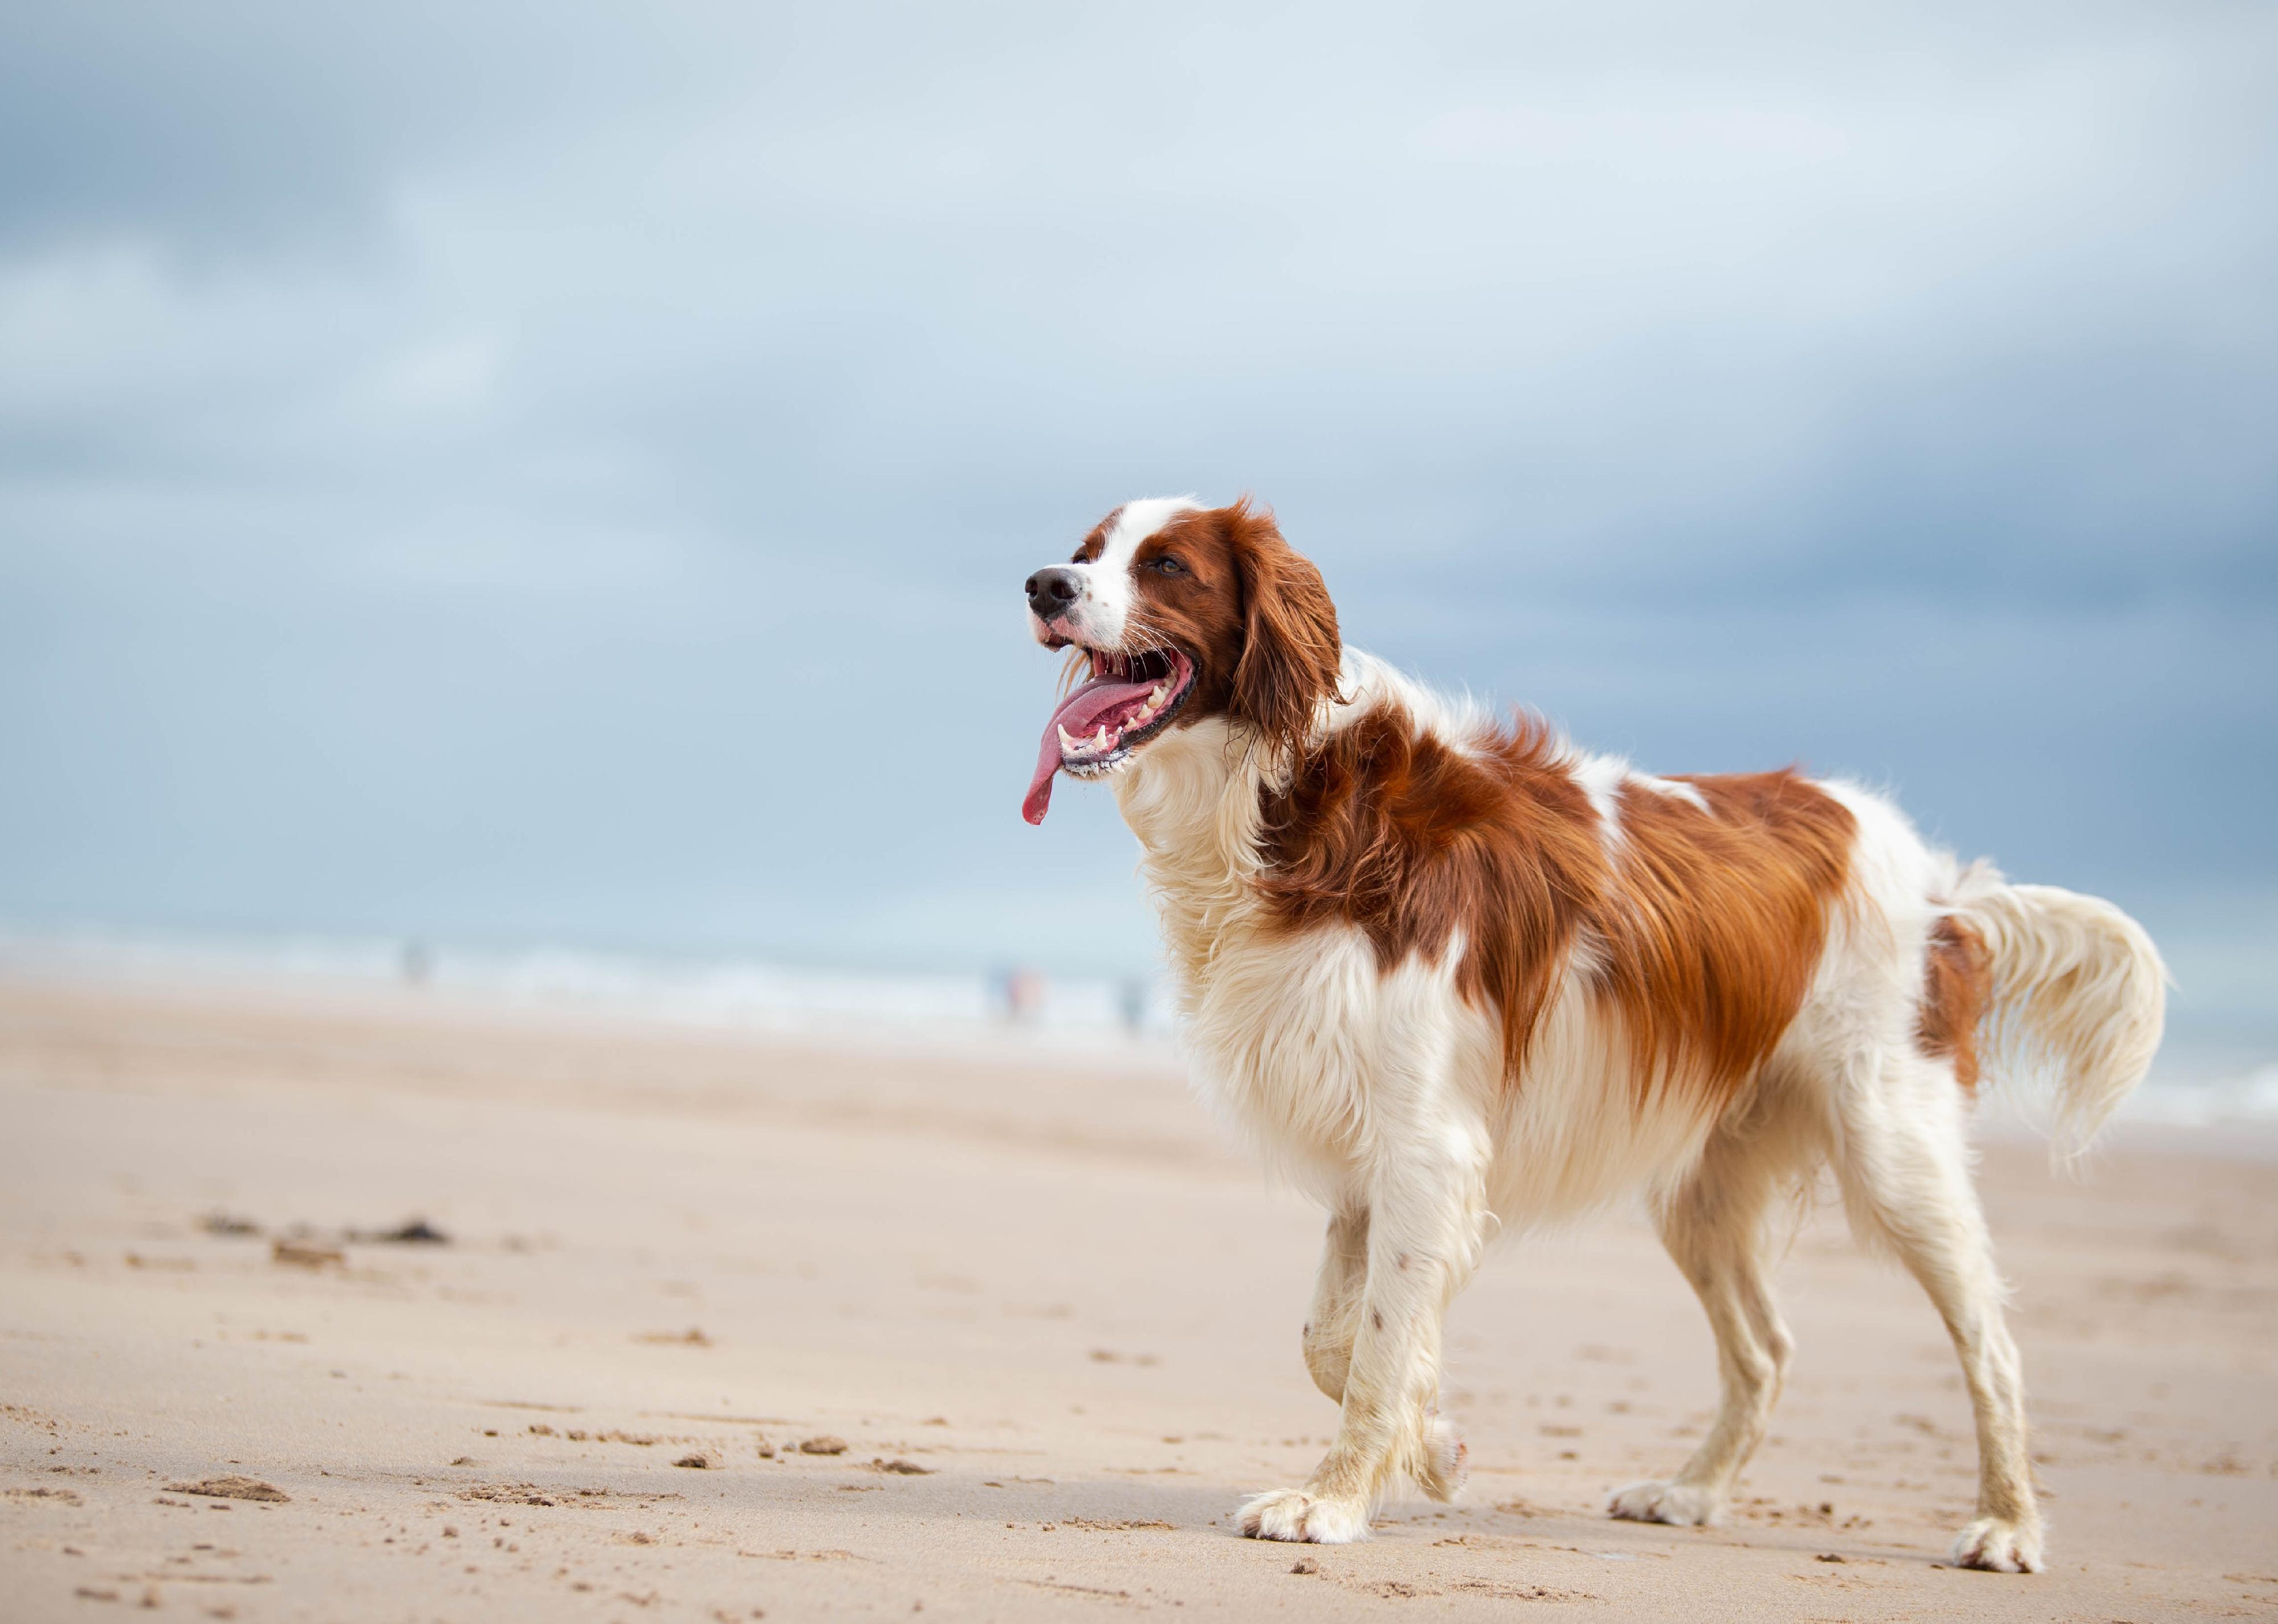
<point>1049,1314</point>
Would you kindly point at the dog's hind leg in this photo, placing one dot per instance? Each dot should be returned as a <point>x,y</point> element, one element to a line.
<point>1334,1320</point>
<point>1715,1226</point>
<point>1902,1159</point>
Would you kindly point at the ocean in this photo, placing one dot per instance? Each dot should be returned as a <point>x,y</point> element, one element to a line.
<point>2196,1082</point>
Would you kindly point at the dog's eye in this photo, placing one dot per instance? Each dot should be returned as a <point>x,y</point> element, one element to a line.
<point>1169,565</point>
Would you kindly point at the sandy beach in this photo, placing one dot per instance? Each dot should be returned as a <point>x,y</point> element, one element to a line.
<point>728,1327</point>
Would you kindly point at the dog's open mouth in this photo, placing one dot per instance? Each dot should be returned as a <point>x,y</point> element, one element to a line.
<point>1129,700</point>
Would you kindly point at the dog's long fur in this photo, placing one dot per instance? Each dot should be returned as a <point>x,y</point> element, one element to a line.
<point>1453,976</point>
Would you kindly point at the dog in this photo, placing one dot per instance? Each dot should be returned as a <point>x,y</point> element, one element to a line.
<point>1454,976</point>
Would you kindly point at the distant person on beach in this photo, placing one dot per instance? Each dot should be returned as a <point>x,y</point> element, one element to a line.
<point>1022,992</point>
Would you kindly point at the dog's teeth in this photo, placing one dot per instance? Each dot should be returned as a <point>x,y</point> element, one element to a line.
<point>1099,739</point>
<point>1069,741</point>
<point>1155,698</point>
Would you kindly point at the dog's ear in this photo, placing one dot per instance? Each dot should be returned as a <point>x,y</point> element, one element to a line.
<point>1290,652</point>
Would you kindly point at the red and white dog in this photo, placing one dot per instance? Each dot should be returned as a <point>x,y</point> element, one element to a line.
<point>1454,975</point>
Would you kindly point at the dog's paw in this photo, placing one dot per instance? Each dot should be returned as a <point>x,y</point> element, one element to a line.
<point>1293,1515</point>
<point>1998,1547</point>
<point>1445,1462</point>
<point>1674,1502</point>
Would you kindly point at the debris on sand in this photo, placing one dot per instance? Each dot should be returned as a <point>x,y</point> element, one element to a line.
<point>1117,1525</point>
<point>531,1494</point>
<point>231,1486</point>
<point>905,1468</point>
<point>512,1494</point>
<point>699,1463</point>
<point>824,1444</point>
<point>306,1254</point>
<point>303,1243</point>
<point>690,1337</point>
<point>1306,1565</point>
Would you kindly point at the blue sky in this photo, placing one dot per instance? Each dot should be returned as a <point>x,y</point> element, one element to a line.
<point>514,473</point>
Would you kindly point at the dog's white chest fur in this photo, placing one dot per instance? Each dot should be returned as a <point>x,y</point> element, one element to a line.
<point>1273,1022</point>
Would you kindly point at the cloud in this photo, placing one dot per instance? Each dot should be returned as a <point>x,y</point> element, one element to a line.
<point>496,469</point>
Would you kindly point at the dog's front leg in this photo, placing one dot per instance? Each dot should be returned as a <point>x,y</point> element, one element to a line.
<point>1427,1212</point>
<point>1334,1321</point>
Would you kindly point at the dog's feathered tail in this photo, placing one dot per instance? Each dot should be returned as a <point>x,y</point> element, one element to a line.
<point>2079,995</point>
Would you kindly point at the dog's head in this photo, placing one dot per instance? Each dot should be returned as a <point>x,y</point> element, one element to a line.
<point>1182,611</point>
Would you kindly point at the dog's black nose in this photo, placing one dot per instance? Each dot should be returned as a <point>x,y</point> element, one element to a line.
<point>1051,590</point>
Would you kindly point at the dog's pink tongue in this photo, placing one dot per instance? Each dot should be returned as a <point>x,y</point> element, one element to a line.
<point>1079,713</point>
<point>1039,798</point>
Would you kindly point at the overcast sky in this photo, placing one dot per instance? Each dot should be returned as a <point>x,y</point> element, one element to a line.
<point>564,473</point>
